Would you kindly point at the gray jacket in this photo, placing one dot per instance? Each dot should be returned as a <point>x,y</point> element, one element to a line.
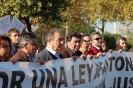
<point>46,55</point>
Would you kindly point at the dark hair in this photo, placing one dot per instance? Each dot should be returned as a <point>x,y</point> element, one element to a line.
<point>5,38</point>
<point>25,38</point>
<point>120,38</point>
<point>82,37</point>
<point>73,34</point>
<point>103,41</point>
<point>50,34</point>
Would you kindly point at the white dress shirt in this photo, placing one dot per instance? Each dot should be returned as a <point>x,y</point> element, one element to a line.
<point>54,52</point>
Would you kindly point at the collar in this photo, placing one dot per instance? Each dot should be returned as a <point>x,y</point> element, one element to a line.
<point>31,58</point>
<point>69,51</point>
<point>52,51</point>
<point>96,47</point>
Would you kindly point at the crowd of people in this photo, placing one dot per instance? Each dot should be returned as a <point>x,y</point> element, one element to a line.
<point>16,47</point>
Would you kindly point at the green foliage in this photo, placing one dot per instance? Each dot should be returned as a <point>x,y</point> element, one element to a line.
<point>85,28</point>
<point>129,45</point>
<point>19,8</point>
<point>111,40</point>
<point>40,36</point>
<point>49,10</point>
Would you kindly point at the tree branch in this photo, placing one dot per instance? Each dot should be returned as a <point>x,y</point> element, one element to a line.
<point>98,27</point>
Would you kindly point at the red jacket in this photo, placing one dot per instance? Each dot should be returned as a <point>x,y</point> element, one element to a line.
<point>93,50</point>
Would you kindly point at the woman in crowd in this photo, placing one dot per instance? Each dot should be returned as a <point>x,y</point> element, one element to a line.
<point>5,48</point>
<point>104,47</point>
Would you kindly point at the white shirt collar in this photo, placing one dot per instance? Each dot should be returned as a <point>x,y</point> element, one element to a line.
<point>53,52</point>
<point>96,47</point>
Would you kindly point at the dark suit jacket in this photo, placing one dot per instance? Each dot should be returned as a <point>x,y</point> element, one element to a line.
<point>93,50</point>
<point>14,49</point>
<point>46,55</point>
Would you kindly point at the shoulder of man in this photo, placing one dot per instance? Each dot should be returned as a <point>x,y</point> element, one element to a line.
<point>42,55</point>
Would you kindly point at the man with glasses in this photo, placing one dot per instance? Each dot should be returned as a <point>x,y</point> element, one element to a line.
<point>27,46</point>
<point>96,43</point>
<point>85,45</point>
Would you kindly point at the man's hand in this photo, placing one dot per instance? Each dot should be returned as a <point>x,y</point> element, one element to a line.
<point>41,61</point>
<point>84,57</point>
<point>110,50</point>
<point>90,56</point>
<point>99,54</point>
<point>74,58</point>
<point>120,50</point>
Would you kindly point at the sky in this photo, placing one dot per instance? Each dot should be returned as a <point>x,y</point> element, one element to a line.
<point>109,27</point>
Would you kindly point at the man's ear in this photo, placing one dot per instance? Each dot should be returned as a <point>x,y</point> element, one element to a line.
<point>49,40</point>
<point>25,45</point>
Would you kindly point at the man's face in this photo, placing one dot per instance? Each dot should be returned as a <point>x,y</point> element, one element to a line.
<point>5,49</point>
<point>123,44</point>
<point>87,39</point>
<point>84,46</point>
<point>14,38</point>
<point>62,44</point>
<point>32,47</point>
<point>96,41</point>
<point>74,44</point>
<point>56,41</point>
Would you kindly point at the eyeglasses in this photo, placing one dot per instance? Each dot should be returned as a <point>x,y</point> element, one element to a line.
<point>97,38</point>
<point>34,44</point>
<point>86,40</point>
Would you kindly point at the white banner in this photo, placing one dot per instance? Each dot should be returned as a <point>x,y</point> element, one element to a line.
<point>6,24</point>
<point>16,23</point>
<point>111,71</point>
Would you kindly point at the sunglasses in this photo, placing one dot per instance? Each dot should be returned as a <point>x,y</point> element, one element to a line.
<point>86,40</point>
<point>97,38</point>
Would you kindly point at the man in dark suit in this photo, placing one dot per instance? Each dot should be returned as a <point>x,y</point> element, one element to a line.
<point>73,45</point>
<point>53,39</point>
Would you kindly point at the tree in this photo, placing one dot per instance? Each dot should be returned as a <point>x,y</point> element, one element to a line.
<point>102,11</point>
<point>73,19</point>
<point>111,40</point>
<point>25,9</point>
<point>126,31</point>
